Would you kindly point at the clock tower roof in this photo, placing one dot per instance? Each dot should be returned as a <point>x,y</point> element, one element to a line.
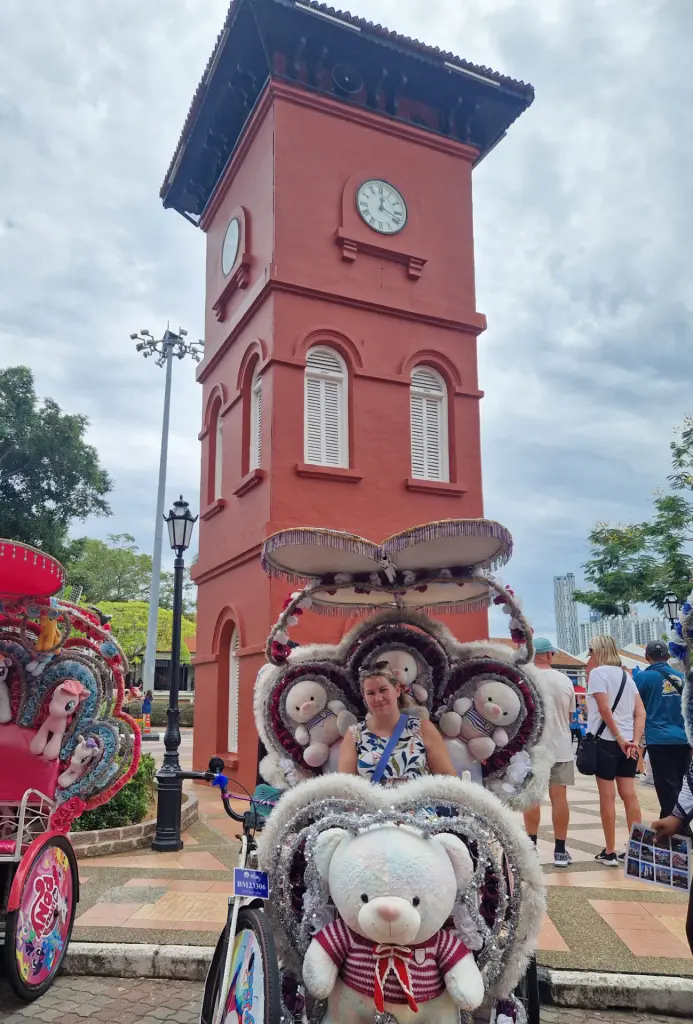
<point>331,52</point>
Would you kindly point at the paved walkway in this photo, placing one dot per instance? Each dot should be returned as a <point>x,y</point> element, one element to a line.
<point>108,1001</point>
<point>131,1001</point>
<point>597,919</point>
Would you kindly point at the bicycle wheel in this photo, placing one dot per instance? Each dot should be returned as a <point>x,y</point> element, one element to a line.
<point>38,929</point>
<point>254,990</point>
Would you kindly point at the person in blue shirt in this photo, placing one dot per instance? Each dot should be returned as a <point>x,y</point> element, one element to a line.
<point>660,687</point>
<point>577,725</point>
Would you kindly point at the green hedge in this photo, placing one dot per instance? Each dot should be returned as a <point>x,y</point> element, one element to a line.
<point>158,717</point>
<point>130,804</point>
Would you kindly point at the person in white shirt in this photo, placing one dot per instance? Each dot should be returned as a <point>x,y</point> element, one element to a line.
<point>618,728</point>
<point>559,704</point>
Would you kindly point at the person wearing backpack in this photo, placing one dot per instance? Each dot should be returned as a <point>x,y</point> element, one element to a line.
<point>615,721</point>
<point>660,687</point>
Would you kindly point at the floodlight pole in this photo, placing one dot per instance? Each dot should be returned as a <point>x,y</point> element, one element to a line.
<point>165,349</point>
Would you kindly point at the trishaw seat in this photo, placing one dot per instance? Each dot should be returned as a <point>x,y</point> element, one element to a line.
<point>7,847</point>
<point>21,770</point>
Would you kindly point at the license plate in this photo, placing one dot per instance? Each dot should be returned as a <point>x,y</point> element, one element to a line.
<point>249,883</point>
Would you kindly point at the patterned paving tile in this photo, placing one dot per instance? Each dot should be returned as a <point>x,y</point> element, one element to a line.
<point>180,885</point>
<point>641,928</point>
<point>595,836</point>
<point>199,861</point>
<point>609,878</point>
<point>550,938</point>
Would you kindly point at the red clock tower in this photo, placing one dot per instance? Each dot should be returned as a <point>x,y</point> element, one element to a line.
<point>329,162</point>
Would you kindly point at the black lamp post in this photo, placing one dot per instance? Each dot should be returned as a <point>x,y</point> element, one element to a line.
<point>180,527</point>
<point>671,608</point>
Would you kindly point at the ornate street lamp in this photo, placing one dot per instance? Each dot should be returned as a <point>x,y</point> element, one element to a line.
<point>671,608</point>
<point>180,528</point>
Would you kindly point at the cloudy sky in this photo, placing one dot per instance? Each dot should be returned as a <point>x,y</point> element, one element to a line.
<point>583,222</point>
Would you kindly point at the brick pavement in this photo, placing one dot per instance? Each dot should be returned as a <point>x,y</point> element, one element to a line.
<point>108,1001</point>
<point>127,1001</point>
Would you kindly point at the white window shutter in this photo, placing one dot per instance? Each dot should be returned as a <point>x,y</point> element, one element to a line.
<point>429,433</point>
<point>234,677</point>
<point>256,423</point>
<point>326,413</point>
<point>218,456</point>
<point>313,399</point>
<point>418,437</point>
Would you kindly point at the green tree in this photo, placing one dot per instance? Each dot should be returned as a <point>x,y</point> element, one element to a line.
<point>641,563</point>
<point>110,571</point>
<point>49,476</point>
<point>129,625</point>
<point>666,564</point>
<point>613,569</point>
<point>189,592</point>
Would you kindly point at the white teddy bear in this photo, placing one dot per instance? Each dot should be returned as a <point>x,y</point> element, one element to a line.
<point>320,723</point>
<point>406,670</point>
<point>388,950</point>
<point>481,722</point>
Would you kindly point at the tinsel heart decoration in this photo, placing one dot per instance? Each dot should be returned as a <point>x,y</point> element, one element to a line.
<point>504,901</point>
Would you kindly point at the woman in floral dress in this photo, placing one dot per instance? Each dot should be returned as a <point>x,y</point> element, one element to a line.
<point>420,749</point>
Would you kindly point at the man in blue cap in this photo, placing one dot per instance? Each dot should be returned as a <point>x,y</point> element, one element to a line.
<point>661,687</point>
<point>559,705</point>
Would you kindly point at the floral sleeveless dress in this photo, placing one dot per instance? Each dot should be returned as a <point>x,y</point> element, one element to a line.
<point>408,760</point>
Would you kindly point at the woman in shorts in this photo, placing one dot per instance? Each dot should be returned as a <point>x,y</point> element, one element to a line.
<point>618,728</point>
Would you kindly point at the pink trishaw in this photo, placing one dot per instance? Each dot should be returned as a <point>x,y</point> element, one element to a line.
<point>66,746</point>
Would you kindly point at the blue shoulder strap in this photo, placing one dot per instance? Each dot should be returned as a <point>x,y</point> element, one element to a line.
<point>388,751</point>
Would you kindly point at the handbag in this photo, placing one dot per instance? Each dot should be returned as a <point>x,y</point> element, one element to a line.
<point>384,759</point>
<point>586,759</point>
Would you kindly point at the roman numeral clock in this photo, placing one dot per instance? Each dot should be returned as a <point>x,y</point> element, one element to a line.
<point>381,206</point>
<point>329,163</point>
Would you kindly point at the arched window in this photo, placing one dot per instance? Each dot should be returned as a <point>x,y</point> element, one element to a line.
<point>429,425</point>
<point>218,456</point>
<point>255,459</point>
<point>234,676</point>
<point>215,449</point>
<point>326,428</point>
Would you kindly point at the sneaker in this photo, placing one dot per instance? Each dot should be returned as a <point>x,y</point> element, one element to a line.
<point>622,856</point>
<point>609,859</point>
<point>562,860</point>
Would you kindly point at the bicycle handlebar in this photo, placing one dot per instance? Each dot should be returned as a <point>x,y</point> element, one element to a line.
<point>214,772</point>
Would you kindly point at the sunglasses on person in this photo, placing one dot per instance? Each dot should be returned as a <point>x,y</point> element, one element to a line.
<point>382,667</point>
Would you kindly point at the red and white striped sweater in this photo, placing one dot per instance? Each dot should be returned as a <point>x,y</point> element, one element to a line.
<point>417,968</point>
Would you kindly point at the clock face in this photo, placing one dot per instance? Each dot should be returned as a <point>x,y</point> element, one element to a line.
<point>381,206</point>
<point>229,250</point>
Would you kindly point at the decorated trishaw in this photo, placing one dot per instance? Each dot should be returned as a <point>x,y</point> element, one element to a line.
<point>66,746</point>
<point>412,902</point>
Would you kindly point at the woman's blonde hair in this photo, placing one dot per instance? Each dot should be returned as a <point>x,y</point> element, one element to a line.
<point>604,651</point>
<point>383,670</point>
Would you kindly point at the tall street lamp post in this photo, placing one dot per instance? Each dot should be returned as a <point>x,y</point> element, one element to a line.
<point>180,528</point>
<point>164,349</point>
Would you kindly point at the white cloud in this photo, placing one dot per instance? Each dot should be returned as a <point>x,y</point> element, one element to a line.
<point>583,220</point>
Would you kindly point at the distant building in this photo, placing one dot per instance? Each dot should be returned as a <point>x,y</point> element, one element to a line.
<point>625,630</point>
<point>566,613</point>
<point>645,630</point>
